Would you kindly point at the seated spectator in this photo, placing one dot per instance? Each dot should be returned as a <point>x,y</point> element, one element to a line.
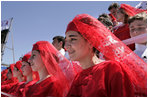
<point>138,26</point>
<point>58,43</point>
<point>113,12</point>
<point>105,19</point>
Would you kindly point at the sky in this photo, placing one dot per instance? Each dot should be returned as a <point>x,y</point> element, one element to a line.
<point>42,20</point>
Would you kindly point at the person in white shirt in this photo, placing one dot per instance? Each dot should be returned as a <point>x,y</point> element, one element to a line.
<point>58,43</point>
<point>138,26</point>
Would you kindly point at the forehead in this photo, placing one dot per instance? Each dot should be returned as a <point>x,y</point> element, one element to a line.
<point>138,23</point>
<point>35,52</point>
<point>72,34</point>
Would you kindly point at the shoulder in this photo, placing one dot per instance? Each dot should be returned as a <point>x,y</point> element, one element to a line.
<point>110,64</point>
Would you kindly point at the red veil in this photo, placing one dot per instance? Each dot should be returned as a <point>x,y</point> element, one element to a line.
<point>131,11</point>
<point>4,75</point>
<point>110,46</point>
<point>53,60</point>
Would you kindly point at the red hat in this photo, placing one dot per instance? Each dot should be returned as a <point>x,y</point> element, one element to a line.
<point>131,11</point>
<point>71,27</point>
<point>18,65</point>
<point>26,57</point>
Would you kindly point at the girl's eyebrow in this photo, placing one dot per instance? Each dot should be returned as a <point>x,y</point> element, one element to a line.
<point>72,35</point>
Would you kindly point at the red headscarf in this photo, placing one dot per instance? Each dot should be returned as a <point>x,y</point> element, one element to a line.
<point>4,75</point>
<point>111,47</point>
<point>131,11</point>
<point>18,65</point>
<point>26,57</point>
<point>52,60</point>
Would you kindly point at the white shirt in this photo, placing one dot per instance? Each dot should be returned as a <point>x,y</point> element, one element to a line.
<point>140,50</point>
<point>62,51</point>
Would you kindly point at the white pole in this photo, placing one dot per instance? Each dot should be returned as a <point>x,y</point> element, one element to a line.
<point>12,42</point>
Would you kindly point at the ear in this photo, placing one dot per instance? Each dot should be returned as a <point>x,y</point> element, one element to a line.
<point>61,43</point>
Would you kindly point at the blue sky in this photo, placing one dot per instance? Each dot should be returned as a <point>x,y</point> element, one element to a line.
<point>42,20</point>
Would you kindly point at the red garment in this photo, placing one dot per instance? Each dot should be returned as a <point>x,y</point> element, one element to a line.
<point>114,21</point>
<point>14,89</point>
<point>111,47</point>
<point>107,79</point>
<point>4,75</point>
<point>24,88</point>
<point>123,33</point>
<point>47,88</point>
<point>5,87</point>
<point>131,11</point>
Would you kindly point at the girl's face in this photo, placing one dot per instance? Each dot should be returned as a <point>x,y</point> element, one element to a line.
<point>36,61</point>
<point>26,68</point>
<point>9,74</point>
<point>77,46</point>
<point>138,27</point>
<point>16,72</point>
<point>120,16</point>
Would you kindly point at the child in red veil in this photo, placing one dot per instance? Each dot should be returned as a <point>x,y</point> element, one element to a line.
<point>20,89</point>
<point>10,82</point>
<point>120,76</point>
<point>45,59</point>
<point>17,73</point>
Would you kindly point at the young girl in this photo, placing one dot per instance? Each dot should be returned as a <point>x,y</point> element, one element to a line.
<point>100,78</point>
<point>45,60</point>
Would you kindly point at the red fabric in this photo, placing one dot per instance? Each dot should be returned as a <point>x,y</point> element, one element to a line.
<point>26,57</point>
<point>14,89</point>
<point>56,64</point>
<point>107,79</point>
<point>4,75</point>
<point>24,88</point>
<point>112,17</point>
<point>5,87</point>
<point>19,65</point>
<point>123,33</point>
<point>114,21</point>
<point>46,88</point>
<point>131,11</point>
<point>111,47</point>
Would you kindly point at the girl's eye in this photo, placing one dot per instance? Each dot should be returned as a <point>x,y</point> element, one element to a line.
<point>73,39</point>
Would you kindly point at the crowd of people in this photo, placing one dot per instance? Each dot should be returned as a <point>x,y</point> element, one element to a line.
<point>92,60</point>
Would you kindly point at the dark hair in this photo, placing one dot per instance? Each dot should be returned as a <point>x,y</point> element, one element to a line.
<point>113,5</point>
<point>107,22</point>
<point>104,15</point>
<point>60,38</point>
<point>141,16</point>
